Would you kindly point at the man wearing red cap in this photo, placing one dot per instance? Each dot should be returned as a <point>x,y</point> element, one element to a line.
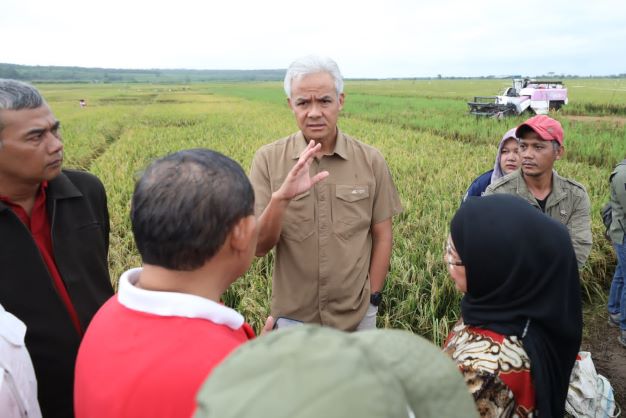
<point>540,145</point>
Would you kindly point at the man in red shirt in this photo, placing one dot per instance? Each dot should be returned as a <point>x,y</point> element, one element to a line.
<point>54,229</point>
<point>150,347</point>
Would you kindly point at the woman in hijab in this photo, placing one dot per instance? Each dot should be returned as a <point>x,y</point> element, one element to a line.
<point>507,161</point>
<point>521,315</point>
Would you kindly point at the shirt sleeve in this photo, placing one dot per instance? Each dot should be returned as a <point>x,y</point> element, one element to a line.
<point>580,229</point>
<point>479,185</point>
<point>618,184</point>
<point>260,179</point>
<point>386,198</point>
<point>472,191</point>
<point>247,329</point>
<point>106,227</point>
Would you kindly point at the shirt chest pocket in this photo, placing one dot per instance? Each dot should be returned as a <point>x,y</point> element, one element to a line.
<point>298,221</point>
<point>352,210</point>
<point>563,214</point>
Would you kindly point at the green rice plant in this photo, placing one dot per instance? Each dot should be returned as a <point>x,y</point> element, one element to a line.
<point>433,148</point>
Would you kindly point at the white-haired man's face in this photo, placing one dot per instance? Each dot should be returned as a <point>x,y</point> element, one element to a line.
<point>316,105</point>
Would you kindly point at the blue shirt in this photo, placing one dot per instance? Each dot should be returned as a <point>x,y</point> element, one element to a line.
<point>479,185</point>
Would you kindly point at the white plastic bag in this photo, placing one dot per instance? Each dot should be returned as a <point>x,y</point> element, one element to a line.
<point>590,395</point>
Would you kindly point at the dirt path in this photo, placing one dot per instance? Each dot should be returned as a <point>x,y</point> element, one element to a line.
<point>609,357</point>
<point>617,120</point>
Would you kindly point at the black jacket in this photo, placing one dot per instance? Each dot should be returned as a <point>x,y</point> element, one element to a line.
<point>77,209</point>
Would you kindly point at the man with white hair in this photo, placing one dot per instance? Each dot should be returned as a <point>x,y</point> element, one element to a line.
<point>325,201</point>
<point>54,226</point>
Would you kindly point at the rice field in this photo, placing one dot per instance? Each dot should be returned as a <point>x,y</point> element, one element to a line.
<point>433,148</point>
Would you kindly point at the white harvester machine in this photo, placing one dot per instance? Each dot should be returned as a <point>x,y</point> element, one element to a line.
<point>538,96</point>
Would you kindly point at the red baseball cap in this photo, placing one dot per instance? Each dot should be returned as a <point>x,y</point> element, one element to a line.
<point>547,128</point>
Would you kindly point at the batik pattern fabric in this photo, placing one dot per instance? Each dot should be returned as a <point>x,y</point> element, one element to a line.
<point>496,369</point>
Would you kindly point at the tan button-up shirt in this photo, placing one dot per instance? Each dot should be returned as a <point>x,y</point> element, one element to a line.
<point>321,270</point>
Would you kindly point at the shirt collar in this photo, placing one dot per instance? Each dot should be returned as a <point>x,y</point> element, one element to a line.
<point>522,189</point>
<point>556,194</point>
<point>341,148</point>
<point>61,187</point>
<point>41,194</point>
<point>40,200</point>
<point>173,303</point>
<point>557,186</point>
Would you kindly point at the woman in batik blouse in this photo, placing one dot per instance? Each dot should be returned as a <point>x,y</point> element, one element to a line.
<point>521,316</point>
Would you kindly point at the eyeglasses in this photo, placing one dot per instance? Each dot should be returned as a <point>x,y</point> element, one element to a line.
<point>450,250</point>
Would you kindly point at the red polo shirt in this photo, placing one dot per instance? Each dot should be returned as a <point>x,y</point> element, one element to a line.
<point>39,226</point>
<point>146,353</point>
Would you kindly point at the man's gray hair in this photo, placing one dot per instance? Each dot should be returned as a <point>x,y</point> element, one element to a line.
<point>17,95</point>
<point>312,64</point>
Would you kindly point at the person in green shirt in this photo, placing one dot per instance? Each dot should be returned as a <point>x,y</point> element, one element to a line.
<point>617,295</point>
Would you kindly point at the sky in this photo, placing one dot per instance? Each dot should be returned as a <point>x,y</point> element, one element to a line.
<point>368,39</point>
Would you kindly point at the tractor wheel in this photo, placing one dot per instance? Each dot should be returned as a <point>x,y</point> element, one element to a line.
<point>556,104</point>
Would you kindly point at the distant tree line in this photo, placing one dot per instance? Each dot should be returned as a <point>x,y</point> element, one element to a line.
<point>52,74</point>
<point>109,75</point>
<point>495,77</point>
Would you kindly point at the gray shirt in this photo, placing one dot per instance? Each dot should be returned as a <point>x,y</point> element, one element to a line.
<point>618,203</point>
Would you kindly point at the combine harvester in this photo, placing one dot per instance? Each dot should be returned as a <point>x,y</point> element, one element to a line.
<point>539,96</point>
